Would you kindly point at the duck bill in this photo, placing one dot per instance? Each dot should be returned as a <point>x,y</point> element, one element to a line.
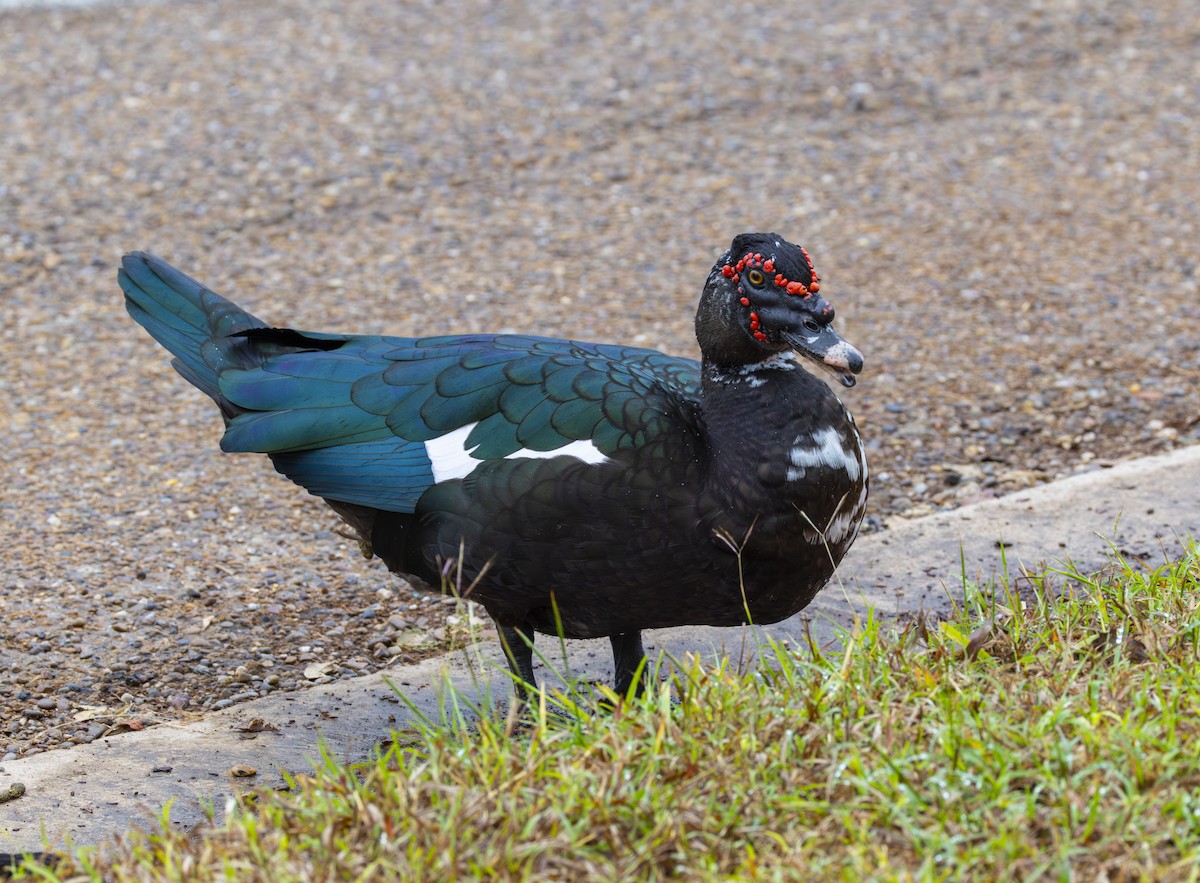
<point>830,351</point>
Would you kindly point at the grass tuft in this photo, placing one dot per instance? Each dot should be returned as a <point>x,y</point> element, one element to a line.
<point>1048,729</point>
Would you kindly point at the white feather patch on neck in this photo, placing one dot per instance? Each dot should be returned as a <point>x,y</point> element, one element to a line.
<point>784,361</point>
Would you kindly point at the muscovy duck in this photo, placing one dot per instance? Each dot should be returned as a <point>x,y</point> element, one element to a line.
<point>592,489</point>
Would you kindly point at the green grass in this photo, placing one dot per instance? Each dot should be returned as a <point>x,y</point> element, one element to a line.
<point>1046,731</point>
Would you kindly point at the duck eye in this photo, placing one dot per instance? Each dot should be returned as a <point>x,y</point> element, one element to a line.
<point>756,277</point>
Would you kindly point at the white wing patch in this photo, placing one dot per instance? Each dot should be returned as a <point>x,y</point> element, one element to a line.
<point>450,458</point>
<point>826,449</point>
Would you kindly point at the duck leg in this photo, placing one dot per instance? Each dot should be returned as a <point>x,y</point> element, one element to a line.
<point>517,642</point>
<point>628,654</point>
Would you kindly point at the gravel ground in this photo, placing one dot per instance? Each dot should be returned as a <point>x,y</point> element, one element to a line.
<point>1001,199</point>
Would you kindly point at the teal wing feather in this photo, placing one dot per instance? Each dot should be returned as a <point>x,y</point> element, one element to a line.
<point>534,393</point>
<point>347,416</point>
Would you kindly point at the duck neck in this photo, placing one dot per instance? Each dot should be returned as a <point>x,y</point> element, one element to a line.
<point>764,421</point>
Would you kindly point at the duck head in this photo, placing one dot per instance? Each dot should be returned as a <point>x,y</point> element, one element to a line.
<point>761,299</point>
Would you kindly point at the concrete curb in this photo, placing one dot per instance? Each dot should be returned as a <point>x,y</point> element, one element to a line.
<point>1145,508</point>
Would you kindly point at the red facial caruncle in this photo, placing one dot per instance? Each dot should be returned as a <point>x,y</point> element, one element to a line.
<point>766,266</point>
